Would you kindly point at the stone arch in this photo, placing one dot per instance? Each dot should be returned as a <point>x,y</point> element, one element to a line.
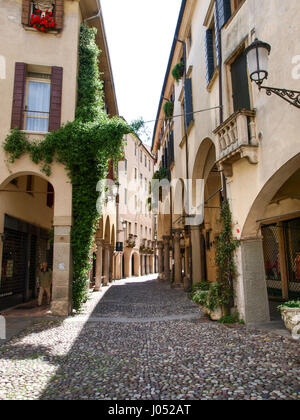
<point>39,213</point>
<point>99,233</point>
<point>107,235</point>
<point>113,236</point>
<point>178,191</point>
<point>278,179</point>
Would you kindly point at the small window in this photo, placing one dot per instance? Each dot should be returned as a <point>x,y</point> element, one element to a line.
<point>37,103</point>
<point>29,184</point>
<point>50,195</point>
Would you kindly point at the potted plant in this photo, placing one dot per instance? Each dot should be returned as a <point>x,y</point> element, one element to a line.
<point>178,71</point>
<point>169,109</point>
<point>211,299</point>
<point>290,313</point>
<point>43,21</point>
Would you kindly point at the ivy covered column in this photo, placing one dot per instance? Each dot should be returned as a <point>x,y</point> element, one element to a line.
<point>167,257</point>
<point>62,267</point>
<point>99,264</point>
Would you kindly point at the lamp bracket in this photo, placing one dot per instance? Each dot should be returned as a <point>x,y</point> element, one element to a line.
<point>290,96</point>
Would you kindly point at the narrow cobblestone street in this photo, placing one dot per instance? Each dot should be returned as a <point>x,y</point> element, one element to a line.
<point>142,340</point>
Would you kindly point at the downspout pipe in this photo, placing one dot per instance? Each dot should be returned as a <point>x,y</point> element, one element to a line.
<point>221,114</point>
<point>187,164</point>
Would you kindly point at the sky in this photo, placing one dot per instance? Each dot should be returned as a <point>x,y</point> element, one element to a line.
<point>139,35</point>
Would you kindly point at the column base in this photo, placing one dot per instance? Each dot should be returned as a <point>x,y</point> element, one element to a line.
<point>61,308</point>
<point>176,286</point>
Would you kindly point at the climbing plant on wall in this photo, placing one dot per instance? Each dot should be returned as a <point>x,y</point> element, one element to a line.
<point>85,147</point>
<point>225,249</point>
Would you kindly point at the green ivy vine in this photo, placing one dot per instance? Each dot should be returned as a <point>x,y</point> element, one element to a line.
<point>225,250</point>
<point>84,146</point>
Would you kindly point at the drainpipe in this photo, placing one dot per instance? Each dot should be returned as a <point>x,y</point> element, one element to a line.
<point>221,115</point>
<point>187,164</point>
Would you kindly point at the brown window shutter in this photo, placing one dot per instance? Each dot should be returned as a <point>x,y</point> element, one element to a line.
<point>55,98</point>
<point>59,14</point>
<point>26,5</point>
<point>17,117</point>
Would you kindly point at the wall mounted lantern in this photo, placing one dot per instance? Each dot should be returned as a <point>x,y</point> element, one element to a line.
<point>258,58</point>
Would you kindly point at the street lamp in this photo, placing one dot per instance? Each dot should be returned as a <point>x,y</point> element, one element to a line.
<point>258,58</point>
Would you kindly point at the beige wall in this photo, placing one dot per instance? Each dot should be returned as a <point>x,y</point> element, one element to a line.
<point>140,216</point>
<point>252,187</point>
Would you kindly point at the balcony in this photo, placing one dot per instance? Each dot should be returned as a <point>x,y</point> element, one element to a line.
<point>131,241</point>
<point>236,139</point>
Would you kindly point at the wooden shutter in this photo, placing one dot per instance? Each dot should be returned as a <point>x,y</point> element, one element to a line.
<point>59,14</point>
<point>209,55</point>
<point>223,9</point>
<point>17,117</point>
<point>55,98</point>
<point>26,6</point>
<point>171,147</point>
<point>240,84</point>
<point>188,99</point>
<point>217,35</point>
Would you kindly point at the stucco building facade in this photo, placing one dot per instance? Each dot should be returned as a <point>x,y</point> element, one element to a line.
<point>242,143</point>
<point>39,70</point>
<point>136,223</point>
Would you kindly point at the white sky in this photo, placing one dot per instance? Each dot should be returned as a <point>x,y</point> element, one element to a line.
<point>140,35</point>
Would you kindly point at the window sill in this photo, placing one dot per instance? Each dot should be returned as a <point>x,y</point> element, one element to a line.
<point>30,29</point>
<point>213,79</point>
<point>37,133</point>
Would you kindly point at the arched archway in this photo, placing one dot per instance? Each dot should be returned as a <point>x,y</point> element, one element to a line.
<point>270,245</point>
<point>204,236</point>
<point>26,221</point>
<point>266,194</point>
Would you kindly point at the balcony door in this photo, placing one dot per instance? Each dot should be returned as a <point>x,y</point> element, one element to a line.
<point>240,83</point>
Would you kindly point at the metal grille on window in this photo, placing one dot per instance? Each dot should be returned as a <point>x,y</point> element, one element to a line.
<point>272,259</point>
<point>292,240</point>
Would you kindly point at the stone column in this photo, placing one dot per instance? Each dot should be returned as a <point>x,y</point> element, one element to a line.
<point>251,286</point>
<point>177,259</point>
<point>160,247</point>
<point>106,265</point>
<point>111,263</point>
<point>142,264</point>
<point>99,262</point>
<point>167,257</point>
<point>62,267</point>
<point>196,254</point>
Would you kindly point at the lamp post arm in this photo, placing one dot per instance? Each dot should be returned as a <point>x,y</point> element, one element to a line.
<point>290,96</point>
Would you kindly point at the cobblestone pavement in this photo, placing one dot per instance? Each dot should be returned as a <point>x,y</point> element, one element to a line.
<point>143,340</point>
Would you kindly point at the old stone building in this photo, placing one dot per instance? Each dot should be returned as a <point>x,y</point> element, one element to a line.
<point>242,143</point>
<point>136,224</point>
<point>38,89</point>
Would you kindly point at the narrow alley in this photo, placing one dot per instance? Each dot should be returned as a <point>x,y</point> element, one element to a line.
<point>140,339</point>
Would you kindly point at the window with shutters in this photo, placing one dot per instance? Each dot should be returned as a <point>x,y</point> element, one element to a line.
<point>211,51</point>
<point>39,7</point>
<point>37,102</point>
<point>37,98</point>
<point>240,83</point>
